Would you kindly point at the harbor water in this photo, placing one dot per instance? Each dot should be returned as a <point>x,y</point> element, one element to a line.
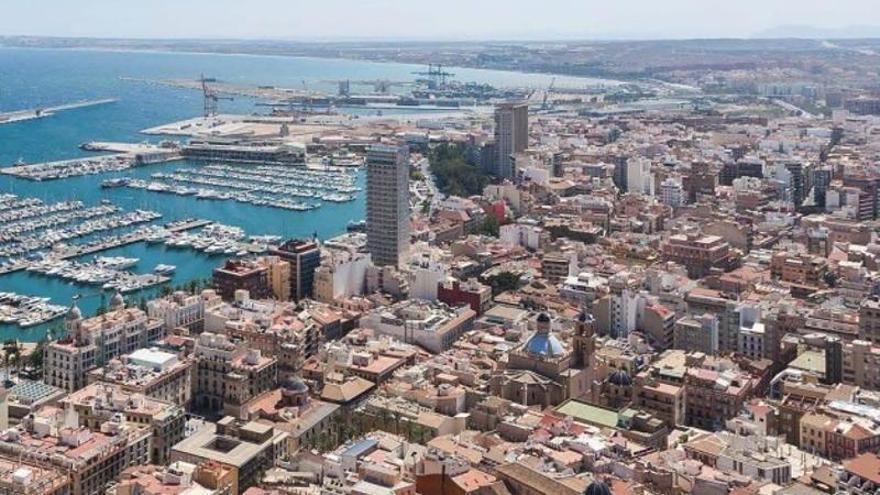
<point>34,78</point>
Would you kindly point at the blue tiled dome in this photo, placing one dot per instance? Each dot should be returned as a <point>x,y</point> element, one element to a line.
<point>598,488</point>
<point>620,378</point>
<point>585,317</point>
<point>544,344</point>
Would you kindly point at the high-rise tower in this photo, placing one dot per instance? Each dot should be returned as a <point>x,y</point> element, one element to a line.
<point>511,136</point>
<point>387,204</point>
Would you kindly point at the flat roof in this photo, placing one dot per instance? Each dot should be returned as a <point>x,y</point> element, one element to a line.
<point>199,445</point>
<point>361,447</point>
<point>813,361</point>
<point>581,411</point>
<point>153,358</point>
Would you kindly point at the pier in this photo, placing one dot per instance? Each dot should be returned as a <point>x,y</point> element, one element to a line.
<point>131,155</point>
<point>77,251</point>
<point>130,148</point>
<point>39,113</point>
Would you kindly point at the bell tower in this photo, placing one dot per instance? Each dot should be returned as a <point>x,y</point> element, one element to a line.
<point>584,340</point>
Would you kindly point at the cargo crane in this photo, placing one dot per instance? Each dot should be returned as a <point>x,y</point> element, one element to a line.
<point>210,96</point>
<point>436,76</point>
<point>544,105</point>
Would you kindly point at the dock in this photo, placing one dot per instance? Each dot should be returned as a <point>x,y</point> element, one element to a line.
<point>123,157</point>
<point>70,168</point>
<point>129,148</point>
<point>40,113</point>
<point>77,251</point>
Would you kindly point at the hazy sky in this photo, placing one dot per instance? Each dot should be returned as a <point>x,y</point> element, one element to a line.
<point>434,19</point>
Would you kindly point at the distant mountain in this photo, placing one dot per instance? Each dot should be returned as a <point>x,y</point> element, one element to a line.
<point>813,32</point>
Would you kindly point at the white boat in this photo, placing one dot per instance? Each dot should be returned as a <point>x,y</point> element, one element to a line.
<point>116,262</point>
<point>164,269</point>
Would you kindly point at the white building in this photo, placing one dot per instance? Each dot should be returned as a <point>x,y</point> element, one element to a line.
<point>425,275</point>
<point>582,289</point>
<point>624,309</point>
<point>433,326</point>
<point>639,178</point>
<point>91,343</point>
<point>342,274</point>
<point>671,192</point>
<point>181,309</point>
<point>521,234</point>
<point>750,341</point>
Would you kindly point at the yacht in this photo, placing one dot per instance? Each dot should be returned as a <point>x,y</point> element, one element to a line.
<point>163,269</point>
<point>116,262</point>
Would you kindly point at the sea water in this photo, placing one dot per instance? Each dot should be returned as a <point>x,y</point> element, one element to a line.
<point>34,78</point>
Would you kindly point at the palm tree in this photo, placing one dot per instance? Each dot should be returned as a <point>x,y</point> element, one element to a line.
<point>35,360</point>
<point>10,349</point>
<point>16,356</point>
<point>384,417</point>
<point>396,416</point>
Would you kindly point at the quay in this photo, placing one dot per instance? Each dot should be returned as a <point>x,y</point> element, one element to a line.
<point>77,251</point>
<point>130,148</point>
<point>69,168</point>
<point>131,156</point>
<point>39,113</point>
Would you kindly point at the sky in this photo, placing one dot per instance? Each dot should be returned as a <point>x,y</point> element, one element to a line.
<point>322,20</point>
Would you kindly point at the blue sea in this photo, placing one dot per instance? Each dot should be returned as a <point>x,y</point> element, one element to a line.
<point>33,78</point>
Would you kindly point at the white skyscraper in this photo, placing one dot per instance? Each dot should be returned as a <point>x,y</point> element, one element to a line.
<point>387,204</point>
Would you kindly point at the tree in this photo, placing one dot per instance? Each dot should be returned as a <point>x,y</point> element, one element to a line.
<point>35,360</point>
<point>454,175</point>
<point>11,354</point>
<point>503,282</point>
<point>490,226</point>
<point>830,279</point>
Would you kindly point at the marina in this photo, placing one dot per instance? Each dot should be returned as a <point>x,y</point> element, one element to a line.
<point>115,162</point>
<point>219,239</point>
<point>71,168</point>
<point>108,276</point>
<point>56,168</point>
<point>41,235</point>
<point>28,311</point>
<point>63,252</point>
<point>287,188</point>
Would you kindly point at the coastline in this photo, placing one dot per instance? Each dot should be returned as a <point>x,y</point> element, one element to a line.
<point>587,80</point>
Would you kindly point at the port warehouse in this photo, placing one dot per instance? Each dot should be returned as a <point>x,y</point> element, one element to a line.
<point>281,154</point>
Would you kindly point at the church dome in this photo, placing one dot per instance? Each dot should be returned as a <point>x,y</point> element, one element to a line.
<point>598,488</point>
<point>117,301</point>
<point>620,378</point>
<point>544,344</point>
<point>74,313</point>
<point>294,384</point>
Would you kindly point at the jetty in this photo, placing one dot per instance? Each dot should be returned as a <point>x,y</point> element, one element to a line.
<point>134,237</point>
<point>40,113</point>
<point>125,157</point>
